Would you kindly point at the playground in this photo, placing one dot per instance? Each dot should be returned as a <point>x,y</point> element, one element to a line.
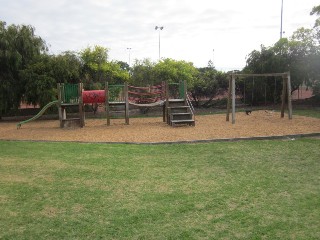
<point>148,130</point>
<point>177,110</point>
<point>242,189</point>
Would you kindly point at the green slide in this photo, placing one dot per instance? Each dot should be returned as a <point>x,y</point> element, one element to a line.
<point>39,113</point>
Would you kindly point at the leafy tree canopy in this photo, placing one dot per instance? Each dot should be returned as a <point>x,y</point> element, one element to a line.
<point>174,71</point>
<point>97,68</point>
<point>19,46</point>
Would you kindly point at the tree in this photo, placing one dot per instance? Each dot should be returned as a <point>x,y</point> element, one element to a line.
<point>297,55</point>
<point>142,73</point>
<point>19,46</point>
<point>306,52</point>
<point>315,59</point>
<point>300,54</point>
<point>316,11</point>
<point>44,72</point>
<point>123,65</point>
<point>40,84</point>
<point>93,59</point>
<point>97,69</point>
<point>174,71</point>
<point>208,84</point>
<point>66,68</point>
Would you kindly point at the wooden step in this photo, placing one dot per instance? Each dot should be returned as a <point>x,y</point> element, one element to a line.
<point>179,109</point>
<point>190,122</point>
<point>69,104</point>
<point>180,116</point>
<point>70,123</point>
<point>176,110</point>
<point>117,103</point>
<point>176,102</point>
<point>178,113</point>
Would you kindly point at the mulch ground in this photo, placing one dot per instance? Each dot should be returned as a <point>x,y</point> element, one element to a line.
<point>147,130</point>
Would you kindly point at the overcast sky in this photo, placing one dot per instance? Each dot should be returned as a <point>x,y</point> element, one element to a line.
<point>224,31</point>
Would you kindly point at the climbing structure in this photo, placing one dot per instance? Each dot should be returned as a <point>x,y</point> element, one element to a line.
<point>178,107</point>
<point>147,96</point>
<point>173,98</point>
<point>117,98</point>
<point>70,97</point>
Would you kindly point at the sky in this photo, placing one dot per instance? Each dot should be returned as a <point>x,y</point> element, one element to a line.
<point>224,31</point>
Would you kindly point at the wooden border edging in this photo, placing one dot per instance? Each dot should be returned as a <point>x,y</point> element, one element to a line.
<point>284,137</point>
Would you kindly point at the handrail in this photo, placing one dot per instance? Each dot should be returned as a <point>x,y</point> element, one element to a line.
<point>190,105</point>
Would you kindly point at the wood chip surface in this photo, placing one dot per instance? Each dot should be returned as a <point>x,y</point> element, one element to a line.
<point>149,130</point>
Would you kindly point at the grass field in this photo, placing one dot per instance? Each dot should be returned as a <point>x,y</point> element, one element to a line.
<point>308,112</point>
<point>237,190</point>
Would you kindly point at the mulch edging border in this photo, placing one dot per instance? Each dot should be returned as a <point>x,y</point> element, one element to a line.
<point>283,137</point>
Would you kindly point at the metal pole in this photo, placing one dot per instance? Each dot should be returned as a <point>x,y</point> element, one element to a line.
<point>281,19</point>
<point>159,29</point>
<point>159,45</point>
<point>129,55</point>
<point>212,57</point>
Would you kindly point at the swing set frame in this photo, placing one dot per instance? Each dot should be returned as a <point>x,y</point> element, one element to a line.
<point>286,91</point>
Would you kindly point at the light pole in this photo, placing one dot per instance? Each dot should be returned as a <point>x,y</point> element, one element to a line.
<point>212,57</point>
<point>159,29</point>
<point>129,49</point>
<point>281,19</point>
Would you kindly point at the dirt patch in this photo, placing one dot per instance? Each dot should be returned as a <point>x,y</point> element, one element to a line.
<point>146,130</point>
<point>51,212</point>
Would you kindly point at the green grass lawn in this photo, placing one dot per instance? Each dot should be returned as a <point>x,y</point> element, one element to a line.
<point>307,112</point>
<point>236,190</point>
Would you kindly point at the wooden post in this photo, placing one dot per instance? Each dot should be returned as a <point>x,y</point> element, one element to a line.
<point>59,108</point>
<point>244,92</point>
<point>265,93</point>
<point>80,102</point>
<point>229,100</point>
<point>233,99</point>
<point>289,96</point>
<point>185,91</point>
<point>164,105</point>
<point>126,98</point>
<point>63,99</point>
<point>167,101</point>
<point>63,95</point>
<point>64,113</point>
<point>283,96</point>
<point>106,88</point>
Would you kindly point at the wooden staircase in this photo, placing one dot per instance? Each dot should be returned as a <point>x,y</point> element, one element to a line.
<point>179,113</point>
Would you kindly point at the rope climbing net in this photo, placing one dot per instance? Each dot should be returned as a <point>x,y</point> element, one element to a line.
<point>146,96</point>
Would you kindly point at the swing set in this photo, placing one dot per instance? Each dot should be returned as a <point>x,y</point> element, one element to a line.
<point>263,90</point>
<point>286,91</point>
